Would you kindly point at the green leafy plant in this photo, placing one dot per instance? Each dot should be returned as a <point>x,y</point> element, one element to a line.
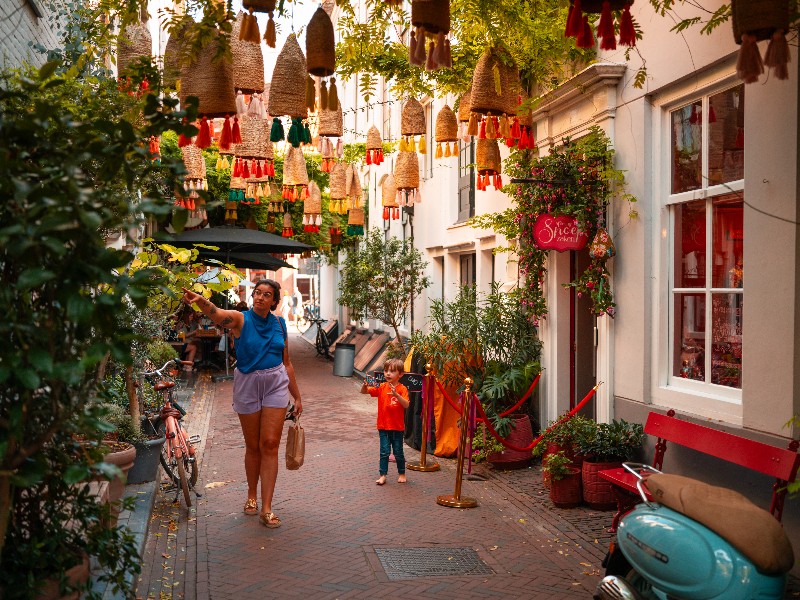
<point>569,433</point>
<point>615,441</point>
<point>558,466</point>
<point>160,352</point>
<point>380,279</point>
<point>484,444</point>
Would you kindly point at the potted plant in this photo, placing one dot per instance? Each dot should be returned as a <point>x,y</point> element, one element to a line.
<point>488,338</point>
<point>565,435</point>
<point>609,445</point>
<point>565,480</point>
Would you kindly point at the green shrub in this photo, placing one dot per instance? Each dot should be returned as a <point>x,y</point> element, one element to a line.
<point>160,352</point>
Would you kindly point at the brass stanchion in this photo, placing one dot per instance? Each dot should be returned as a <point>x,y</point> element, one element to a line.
<point>422,465</point>
<point>456,501</point>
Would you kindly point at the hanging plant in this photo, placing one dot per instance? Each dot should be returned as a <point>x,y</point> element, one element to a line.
<point>576,180</point>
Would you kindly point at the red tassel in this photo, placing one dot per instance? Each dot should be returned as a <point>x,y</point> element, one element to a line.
<point>511,142</point>
<point>259,170</point>
<point>225,136</point>
<point>523,139</point>
<point>236,133</point>
<point>245,170</point>
<point>369,157</point>
<point>385,213</point>
<point>585,39</point>
<point>498,181</point>
<point>605,28</point>
<point>574,26</point>
<point>627,33</point>
<point>203,139</point>
<point>515,129</point>
<point>380,155</point>
<point>482,130</point>
<point>531,140</point>
<point>184,141</point>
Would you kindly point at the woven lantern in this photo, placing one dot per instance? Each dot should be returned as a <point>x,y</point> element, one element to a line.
<point>295,175</point>
<point>253,161</point>
<point>195,178</point>
<point>374,146</point>
<point>495,90</point>
<point>355,192</point>
<point>391,209</point>
<point>355,221</point>
<point>335,231</point>
<point>173,53</point>
<point>312,209</point>
<point>248,62</point>
<point>263,6</point>
<point>446,131</point>
<point>320,45</point>
<point>463,106</point>
<point>328,151</point>
<point>287,95</point>
<point>487,155</point>
<point>412,122</point>
<point>578,23</point>
<point>756,20</point>
<point>331,122</point>
<point>406,177</point>
<point>431,20</point>
<point>134,43</point>
<point>211,81</point>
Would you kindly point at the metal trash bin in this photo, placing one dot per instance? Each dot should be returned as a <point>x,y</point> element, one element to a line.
<point>343,359</point>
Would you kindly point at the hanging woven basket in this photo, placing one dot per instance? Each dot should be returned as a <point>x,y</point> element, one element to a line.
<point>194,162</point>
<point>596,6</point>
<point>412,120</point>
<point>211,81</point>
<point>355,192</point>
<point>263,6</point>
<point>331,122</point>
<point>338,181</point>
<point>446,125</point>
<point>248,61</point>
<point>255,139</point>
<point>487,156</point>
<point>389,192</point>
<point>406,171</point>
<point>355,216</point>
<point>759,18</point>
<point>463,106</point>
<point>313,204</point>
<point>431,15</point>
<point>173,54</point>
<point>295,171</point>
<point>287,92</point>
<point>320,45</point>
<point>374,141</point>
<point>134,42</point>
<point>495,85</point>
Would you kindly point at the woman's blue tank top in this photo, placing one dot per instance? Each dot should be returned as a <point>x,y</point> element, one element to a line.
<point>261,343</point>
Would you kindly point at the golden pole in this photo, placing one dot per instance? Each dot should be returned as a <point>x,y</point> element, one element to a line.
<point>456,501</point>
<point>422,465</point>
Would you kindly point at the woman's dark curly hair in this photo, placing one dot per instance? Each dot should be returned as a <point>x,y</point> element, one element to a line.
<point>276,290</point>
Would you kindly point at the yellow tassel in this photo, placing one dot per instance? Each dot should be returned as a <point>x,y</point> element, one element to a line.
<point>411,146</point>
<point>403,145</point>
<point>505,128</point>
<point>269,34</point>
<point>219,163</point>
<point>447,150</point>
<point>423,149</point>
<point>472,126</point>
<point>491,132</point>
<point>333,96</point>
<point>439,151</point>
<point>454,151</point>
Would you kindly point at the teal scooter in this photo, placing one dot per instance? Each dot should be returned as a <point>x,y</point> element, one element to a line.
<point>689,540</point>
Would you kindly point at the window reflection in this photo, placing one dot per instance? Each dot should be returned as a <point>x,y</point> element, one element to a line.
<point>687,147</point>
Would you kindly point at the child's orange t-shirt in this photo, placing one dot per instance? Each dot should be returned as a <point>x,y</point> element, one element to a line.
<point>391,414</point>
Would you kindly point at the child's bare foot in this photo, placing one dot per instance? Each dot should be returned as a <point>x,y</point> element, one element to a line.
<point>381,480</point>
<point>401,478</point>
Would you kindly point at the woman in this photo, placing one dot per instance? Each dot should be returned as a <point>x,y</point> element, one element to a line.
<point>262,384</point>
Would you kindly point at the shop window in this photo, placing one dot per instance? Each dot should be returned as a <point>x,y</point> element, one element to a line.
<point>707,282</point>
<point>466,180</point>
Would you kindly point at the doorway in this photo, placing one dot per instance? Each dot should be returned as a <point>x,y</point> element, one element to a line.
<point>583,339</point>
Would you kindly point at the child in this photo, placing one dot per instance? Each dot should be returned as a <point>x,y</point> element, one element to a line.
<point>392,402</point>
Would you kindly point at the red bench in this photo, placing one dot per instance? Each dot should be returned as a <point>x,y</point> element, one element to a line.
<point>757,456</point>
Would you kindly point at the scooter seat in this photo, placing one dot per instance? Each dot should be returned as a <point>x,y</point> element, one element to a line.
<point>750,529</point>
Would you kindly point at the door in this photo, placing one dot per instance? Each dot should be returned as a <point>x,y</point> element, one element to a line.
<point>583,344</point>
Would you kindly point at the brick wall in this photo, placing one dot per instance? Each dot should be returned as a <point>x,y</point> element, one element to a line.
<point>19,26</point>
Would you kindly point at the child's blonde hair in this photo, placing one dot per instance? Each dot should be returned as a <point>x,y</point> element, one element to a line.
<point>394,365</point>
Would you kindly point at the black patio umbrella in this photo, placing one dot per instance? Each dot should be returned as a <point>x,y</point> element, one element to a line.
<point>247,260</point>
<point>238,239</point>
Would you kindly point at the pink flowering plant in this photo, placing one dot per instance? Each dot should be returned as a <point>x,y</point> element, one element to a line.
<point>576,179</point>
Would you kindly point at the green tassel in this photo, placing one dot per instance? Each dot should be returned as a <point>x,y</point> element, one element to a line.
<point>355,230</point>
<point>295,132</point>
<point>231,195</point>
<point>306,134</point>
<point>276,134</point>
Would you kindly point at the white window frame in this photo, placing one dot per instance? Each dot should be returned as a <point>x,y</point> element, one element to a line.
<point>685,395</point>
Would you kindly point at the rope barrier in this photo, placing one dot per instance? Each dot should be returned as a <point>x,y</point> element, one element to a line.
<point>503,414</point>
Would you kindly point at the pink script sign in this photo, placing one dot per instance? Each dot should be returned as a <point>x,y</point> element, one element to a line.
<point>558,233</point>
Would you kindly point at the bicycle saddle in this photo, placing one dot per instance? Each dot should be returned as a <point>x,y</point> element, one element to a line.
<point>163,385</point>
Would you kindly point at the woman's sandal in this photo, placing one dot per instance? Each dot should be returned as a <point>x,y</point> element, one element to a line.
<point>270,520</point>
<point>251,507</point>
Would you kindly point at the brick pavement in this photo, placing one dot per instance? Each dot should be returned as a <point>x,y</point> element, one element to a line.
<point>335,517</point>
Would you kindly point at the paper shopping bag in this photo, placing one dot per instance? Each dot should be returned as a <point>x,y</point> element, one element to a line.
<point>295,446</point>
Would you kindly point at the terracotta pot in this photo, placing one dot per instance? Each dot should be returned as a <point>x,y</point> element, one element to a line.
<point>76,576</point>
<point>596,491</point>
<point>566,492</point>
<point>521,436</point>
<point>122,455</point>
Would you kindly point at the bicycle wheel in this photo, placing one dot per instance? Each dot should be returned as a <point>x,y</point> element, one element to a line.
<point>184,483</point>
<point>168,463</point>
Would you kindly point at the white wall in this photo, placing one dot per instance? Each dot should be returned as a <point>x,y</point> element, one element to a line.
<point>20,25</point>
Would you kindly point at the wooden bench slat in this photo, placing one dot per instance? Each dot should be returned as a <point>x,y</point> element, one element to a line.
<point>758,456</point>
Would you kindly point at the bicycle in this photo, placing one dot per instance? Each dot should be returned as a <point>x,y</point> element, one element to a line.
<point>322,343</point>
<point>304,321</point>
<point>178,453</point>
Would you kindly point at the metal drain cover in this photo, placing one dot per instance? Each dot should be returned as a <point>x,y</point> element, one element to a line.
<point>406,563</point>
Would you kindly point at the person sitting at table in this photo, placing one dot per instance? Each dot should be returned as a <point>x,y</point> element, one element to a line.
<point>189,326</point>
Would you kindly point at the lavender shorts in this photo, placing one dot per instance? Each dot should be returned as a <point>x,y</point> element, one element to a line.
<point>267,388</point>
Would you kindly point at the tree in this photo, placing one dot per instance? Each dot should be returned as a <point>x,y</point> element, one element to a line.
<point>381,277</point>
